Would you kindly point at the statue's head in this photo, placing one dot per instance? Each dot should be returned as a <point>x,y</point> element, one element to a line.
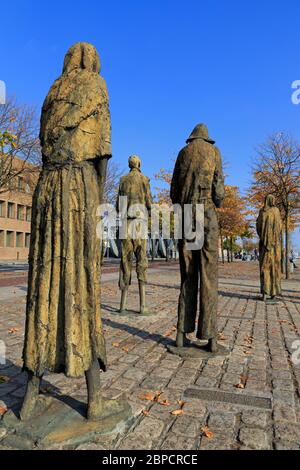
<point>82,55</point>
<point>270,201</point>
<point>134,162</point>
<point>200,132</point>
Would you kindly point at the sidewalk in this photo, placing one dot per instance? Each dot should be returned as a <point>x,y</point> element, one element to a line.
<point>248,400</point>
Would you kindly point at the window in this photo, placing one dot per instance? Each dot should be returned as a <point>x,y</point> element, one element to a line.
<point>9,239</point>
<point>1,238</point>
<point>20,212</point>
<point>28,214</point>
<point>11,210</point>
<point>21,184</point>
<point>2,208</point>
<point>19,240</point>
<point>27,240</point>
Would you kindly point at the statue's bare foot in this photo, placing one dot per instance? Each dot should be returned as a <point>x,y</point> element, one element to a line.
<point>30,398</point>
<point>212,345</point>
<point>95,408</point>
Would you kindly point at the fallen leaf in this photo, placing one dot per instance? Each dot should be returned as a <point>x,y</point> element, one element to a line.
<point>221,337</point>
<point>207,432</point>
<point>12,330</point>
<point>116,345</point>
<point>168,333</point>
<point>147,396</point>
<point>177,412</point>
<point>164,403</point>
<point>180,403</point>
<point>146,412</point>
<point>3,410</point>
<point>125,349</point>
<point>241,386</point>
<point>3,379</point>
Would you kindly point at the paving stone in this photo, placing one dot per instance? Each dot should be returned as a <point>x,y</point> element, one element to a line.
<point>174,441</point>
<point>218,443</point>
<point>287,432</point>
<point>255,418</point>
<point>254,438</point>
<point>187,426</point>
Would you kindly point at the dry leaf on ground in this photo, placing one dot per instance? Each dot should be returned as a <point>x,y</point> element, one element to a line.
<point>3,410</point>
<point>207,432</point>
<point>3,379</point>
<point>177,412</point>
<point>164,403</point>
<point>240,385</point>
<point>150,396</point>
<point>12,330</point>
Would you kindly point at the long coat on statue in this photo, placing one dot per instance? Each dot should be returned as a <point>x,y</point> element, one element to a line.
<point>63,321</point>
<point>269,229</point>
<point>198,179</point>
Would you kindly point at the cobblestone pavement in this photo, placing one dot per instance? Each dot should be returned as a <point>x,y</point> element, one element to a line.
<point>248,400</point>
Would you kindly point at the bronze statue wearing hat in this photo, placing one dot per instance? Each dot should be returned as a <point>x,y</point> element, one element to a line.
<point>198,179</point>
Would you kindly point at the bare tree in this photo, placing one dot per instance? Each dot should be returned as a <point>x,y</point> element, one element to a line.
<point>19,143</point>
<point>113,176</point>
<point>277,171</point>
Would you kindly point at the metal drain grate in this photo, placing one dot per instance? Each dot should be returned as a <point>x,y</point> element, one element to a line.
<point>228,397</point>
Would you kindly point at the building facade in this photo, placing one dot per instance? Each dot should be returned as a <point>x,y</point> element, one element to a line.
<point>15,217</point>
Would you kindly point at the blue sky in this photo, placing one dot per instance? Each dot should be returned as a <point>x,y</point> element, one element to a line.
<point>168,65</point>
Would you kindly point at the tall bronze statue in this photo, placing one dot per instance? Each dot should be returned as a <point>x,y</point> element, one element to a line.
<point>269,229</point>
<point>198,179</point>
<point>136,188</point>
<point>63,320</point>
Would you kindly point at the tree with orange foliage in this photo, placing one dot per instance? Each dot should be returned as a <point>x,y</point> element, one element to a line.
<point>232,217</point>
<point>277,171</point>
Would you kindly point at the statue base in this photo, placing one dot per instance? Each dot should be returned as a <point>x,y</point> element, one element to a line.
<point>62,421</point>
<point>272,301</point>
<point>197,351</point>
<point>133,313</point>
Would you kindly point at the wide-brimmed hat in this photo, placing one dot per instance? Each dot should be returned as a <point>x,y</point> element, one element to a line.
<point>200,132</point>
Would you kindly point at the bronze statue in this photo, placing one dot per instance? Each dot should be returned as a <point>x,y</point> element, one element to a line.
<point>269,229</point>
<point>198,179</point>
<point>136,188</point>
<point>63,319</point>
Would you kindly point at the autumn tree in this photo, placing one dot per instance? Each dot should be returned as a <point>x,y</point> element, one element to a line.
<point>19,142</point>
<point>276,171</point>
<point>232,218</point>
